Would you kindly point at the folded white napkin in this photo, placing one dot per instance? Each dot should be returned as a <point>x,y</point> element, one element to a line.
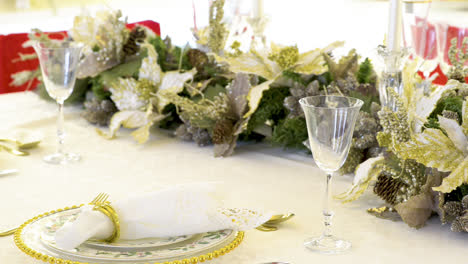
<point>175,211</point>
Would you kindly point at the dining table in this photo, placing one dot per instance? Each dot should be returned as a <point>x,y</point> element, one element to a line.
<point>258,176</point>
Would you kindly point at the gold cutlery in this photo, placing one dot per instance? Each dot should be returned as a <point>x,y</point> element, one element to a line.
<point>8,171</point>
<point>271,225</point>
<point>13,151</point>
<point>8,232</point>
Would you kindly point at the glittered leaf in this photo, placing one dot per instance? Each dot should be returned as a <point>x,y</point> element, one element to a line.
<point>455,133</point>
<point>175,80</point>
<point>127,119</point>
<point>172,82</point>
<point>433,149</point>
<point>465,117</point>
<point>237,94</point>
<point>253,63</point>
<point>418,208</point>
<point>225,149</point>
<point>365,173</point>
<point>312,62</point>
<point>457,177</point>
<point>141,135</point>
<point>255,95</point>
<point>150,68</point>
<point>385,212</point>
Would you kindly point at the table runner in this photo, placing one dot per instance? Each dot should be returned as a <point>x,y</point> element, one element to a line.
<point>256,176</point>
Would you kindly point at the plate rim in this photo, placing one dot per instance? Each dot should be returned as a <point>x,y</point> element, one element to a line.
<point>19,242</point>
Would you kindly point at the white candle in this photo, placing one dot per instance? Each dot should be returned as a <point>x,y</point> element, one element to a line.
<point>258,8</point>
<point>395,25</point>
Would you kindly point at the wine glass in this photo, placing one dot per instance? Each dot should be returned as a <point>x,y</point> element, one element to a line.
<point>330,124</point>
<point>59,64</point>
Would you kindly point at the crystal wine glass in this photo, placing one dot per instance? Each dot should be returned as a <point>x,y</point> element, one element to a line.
<point>330,123</point>
<point>59,64</point>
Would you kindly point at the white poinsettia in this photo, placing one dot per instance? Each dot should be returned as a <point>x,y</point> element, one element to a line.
<point>270,66</point>
<point>126,95</point>
<point>134,97</point>
<point>447,152</point>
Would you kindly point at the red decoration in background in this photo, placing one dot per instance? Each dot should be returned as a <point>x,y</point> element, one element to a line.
<point>11,46</point>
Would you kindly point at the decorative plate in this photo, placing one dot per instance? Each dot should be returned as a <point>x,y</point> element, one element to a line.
<point>36,238</point>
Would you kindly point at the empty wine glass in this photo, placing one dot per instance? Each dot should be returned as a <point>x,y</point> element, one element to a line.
<point>59,64</point>
<point>330,124</point>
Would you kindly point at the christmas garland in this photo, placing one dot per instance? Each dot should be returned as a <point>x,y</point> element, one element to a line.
<point>216,94</point>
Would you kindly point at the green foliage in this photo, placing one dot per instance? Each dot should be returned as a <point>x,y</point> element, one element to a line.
<point>169,56</point>
<point>290,133</point>
<point>296,77</point>
<point>270,108</point>
<point>78,95</point>
<point>450,103</point>
<point>172,121</point>
<point>365,72</point>
<point>367,99</point>
<point>457,194</point>
<point>128,69</point>
<point>99,89</point>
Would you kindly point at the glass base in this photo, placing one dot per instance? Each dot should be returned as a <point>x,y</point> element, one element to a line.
<point>327,245</point>
<point>62,158</point>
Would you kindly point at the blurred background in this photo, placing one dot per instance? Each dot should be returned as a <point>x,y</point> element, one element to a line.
<point>309,24</point>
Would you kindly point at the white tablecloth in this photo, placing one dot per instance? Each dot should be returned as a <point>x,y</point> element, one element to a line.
<point>257,176</point>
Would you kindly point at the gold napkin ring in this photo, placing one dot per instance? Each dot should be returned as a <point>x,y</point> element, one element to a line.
<point>109,211</point>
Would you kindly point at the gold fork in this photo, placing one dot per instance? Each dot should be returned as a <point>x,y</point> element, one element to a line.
<point>100,199</point>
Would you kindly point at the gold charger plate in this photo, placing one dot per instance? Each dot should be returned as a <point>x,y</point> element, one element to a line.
<point>34,239</point>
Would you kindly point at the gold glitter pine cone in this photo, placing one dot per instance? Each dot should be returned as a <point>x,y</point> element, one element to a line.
<point>387,188</point>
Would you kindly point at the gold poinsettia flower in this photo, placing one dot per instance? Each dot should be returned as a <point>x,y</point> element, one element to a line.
<point>271,64</point>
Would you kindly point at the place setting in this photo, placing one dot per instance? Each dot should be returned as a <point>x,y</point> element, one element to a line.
<point>391,132</point>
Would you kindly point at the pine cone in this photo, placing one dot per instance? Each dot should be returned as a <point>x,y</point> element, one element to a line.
<point>201,136</point>
<point>460,224</point>
<point>222,131</point>
<point>99,112</point>
<point>387,188</point>
<point>182,133</point>
<point>197,58</point>
<point>451,115</point>
<point>137,35</point>
<point>453,208</point>
<point>464,202</point>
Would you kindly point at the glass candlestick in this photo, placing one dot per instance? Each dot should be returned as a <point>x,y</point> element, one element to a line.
<point>258,25</point>
<point>391,76</point>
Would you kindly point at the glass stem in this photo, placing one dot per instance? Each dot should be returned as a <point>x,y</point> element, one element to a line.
<point>327,212</point>
<point>60,130</point>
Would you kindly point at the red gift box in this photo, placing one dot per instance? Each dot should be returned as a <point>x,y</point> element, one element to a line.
<point>11,46</point>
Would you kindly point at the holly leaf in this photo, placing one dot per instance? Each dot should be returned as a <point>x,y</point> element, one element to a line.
<point>457,177</point>
<point>433,149</point>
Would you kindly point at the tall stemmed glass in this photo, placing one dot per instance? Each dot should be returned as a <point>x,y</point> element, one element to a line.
<point>59,64</point>
<point>330,123</point>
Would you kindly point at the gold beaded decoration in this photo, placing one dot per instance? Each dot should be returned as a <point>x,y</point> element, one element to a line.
<point>53,260</point>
